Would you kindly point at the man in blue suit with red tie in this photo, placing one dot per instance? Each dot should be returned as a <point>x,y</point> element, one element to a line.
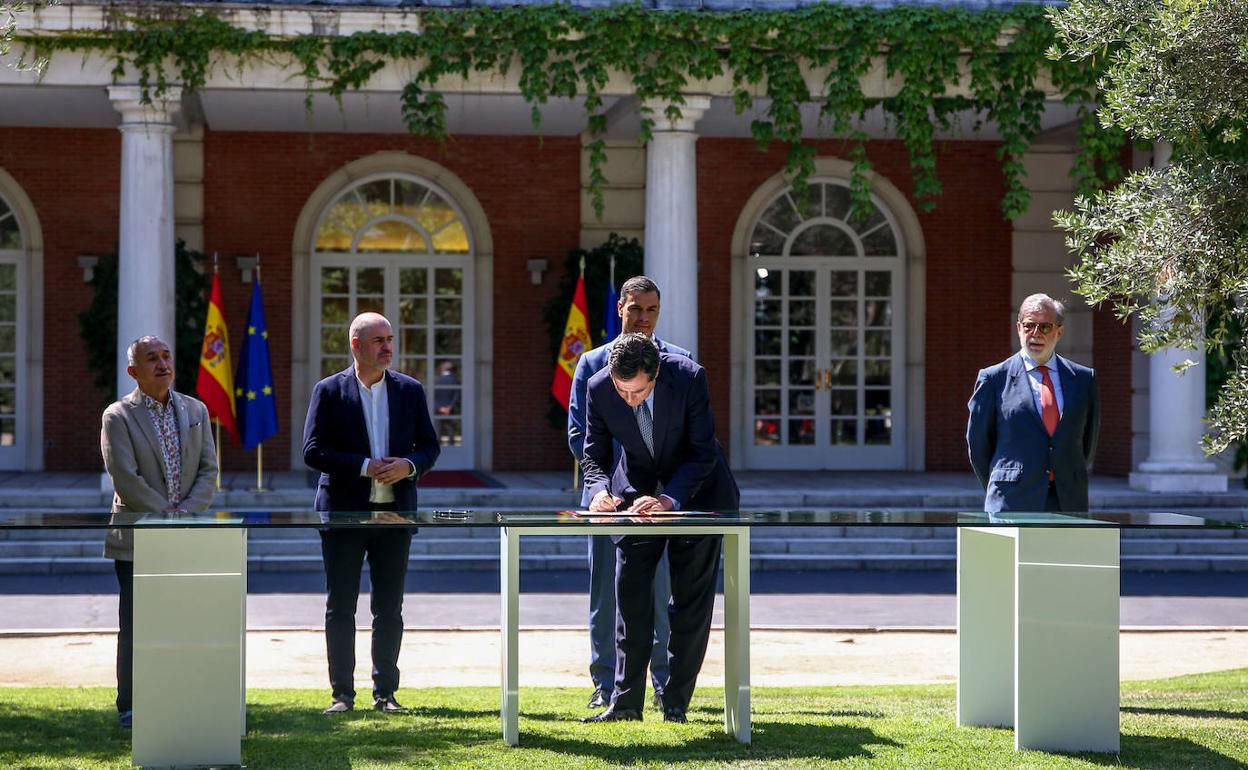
<point>369,433</point>
<point>656,407</point>
<point>1034,420</point>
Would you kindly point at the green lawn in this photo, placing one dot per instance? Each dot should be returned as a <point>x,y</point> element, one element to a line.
<point>1198,722</point>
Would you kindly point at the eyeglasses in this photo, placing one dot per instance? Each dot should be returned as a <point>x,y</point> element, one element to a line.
<point>1032,326</point>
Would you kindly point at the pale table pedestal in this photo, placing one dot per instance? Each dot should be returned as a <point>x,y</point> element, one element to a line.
<point>190,621</point>
<point>1038,635</point>
<point>736,616</point>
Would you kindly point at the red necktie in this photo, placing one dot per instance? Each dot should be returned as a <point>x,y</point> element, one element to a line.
<point>1048,401</point>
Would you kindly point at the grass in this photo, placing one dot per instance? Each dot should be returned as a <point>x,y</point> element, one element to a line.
<point>1198,722</point>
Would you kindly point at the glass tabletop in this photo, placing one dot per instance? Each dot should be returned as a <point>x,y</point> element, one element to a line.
<point>581,519</point>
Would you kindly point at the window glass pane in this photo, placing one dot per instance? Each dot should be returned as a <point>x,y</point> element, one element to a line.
<point>8,277</point>
<point>333,365</point>
<point>844,342</point>
<point>880,243</point>
<point>447,341</point>
<point>8,370</point>
<point>334,280</point>
<point>376,196</point>
<point>879,283</point>
<point>812,205</point>
<point>844,372</point>
<point>408,197</point>
<point>370,280</point>
<point>390,235</point>
<point>8,338</point>
<point>334,340</point>
<point>781,214</point>
<point>878,372</point>
<point>8,308</point>
<point>450,432</point>
<point>448,312</point>
<point>879,343</point>
<point>767,432</point>
<point>449,281</point>
<point>413,311</point>
<point>447,392</point>
<point>414,367</point>
<point>844,283</point>
<point>878,402</point>
<point>8,400</point>
<point>802,372</point>
<point>801,432</point>
<point>335,310</point>
<point>766,242</point>
<point>349,214</point>
<point>436,213</point>
<point>873,219</point>
<point>845,402</point>
<point>370,305</point>
<point>879,312</point>
<point>801,283</point>
<point>8,431</point>
<point>801,312</point>
<point>767,372</point>
<point>823,241</point>
<point>413,342</point>
<point>844,432</point>
<point>767,402</point>
<point>844,313</point>
<point>767,342</point>
<point>413,280</point>
<point>802,343</point>
<point>333,236</point>
<point>452,239</point>
<point>801,402</point>
<point>10,237</point>
<point>836,201</point>
<point>767,283</point>
<point>879,432</point>
<point>767,312</point>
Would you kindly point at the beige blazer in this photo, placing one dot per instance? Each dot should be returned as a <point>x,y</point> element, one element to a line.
<point>132,457</point>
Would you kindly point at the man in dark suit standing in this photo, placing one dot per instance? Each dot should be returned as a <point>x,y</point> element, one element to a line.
<point>1034,420</point>
<point>638,308</point>
<point>369,433</point>
<point>656,406</point>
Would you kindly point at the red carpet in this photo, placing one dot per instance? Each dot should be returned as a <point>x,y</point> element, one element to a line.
<point>456,479</point>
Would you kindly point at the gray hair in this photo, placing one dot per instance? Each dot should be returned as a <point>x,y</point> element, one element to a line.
<point>133,350</point>
<point>1040,302</point>
<point>364,321</point>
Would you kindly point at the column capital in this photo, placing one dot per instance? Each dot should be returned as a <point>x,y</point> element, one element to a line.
<point>691,112</point>
<point>156,114</point>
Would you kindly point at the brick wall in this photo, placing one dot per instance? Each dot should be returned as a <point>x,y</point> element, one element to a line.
<point>256,184</point>
<point>72,177</point>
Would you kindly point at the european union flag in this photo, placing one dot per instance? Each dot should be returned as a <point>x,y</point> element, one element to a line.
<point>253,384</point>
<point>611,316</point>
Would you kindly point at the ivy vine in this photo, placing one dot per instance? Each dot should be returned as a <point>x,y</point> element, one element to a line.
<point>998,54</point>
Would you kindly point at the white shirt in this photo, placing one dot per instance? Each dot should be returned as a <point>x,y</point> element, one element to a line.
<point>1036,379</point>
<point>377,421</point>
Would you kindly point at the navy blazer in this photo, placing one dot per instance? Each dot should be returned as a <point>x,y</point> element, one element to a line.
<point>687,459</point>
<point>335,439</point>
<point>590,364</point>
<point>1010,449</point>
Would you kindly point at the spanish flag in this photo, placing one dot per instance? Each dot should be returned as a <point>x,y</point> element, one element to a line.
<point>216,379</point>
<point>576,341</point>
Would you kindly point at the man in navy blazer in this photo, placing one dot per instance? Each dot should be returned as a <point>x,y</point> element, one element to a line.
<point>656,406</point>
<point>369,433</point>
<point>638,308</point>
<point>1034,420</point>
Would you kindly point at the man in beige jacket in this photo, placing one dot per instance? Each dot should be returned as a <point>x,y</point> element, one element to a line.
<point>157,447</point>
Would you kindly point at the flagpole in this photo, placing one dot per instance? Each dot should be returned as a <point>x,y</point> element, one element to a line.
<point>216,420</point>
<point>260,446</point>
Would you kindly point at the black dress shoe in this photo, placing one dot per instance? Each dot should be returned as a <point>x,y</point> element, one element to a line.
<point>674,714</point>
<point>386,704</point>
<point>599,700</point>
<point>613,714</point>
<point>340,706</point>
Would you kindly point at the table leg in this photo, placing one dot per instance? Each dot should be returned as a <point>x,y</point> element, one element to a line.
<point>188,652</point>
<point>986,558</point>
<point>737,635</point>
<point>1066,654</point>
<point>509,625</point>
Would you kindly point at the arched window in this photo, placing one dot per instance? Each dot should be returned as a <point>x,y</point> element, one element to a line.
<point>399,245</point>
<point>12,250</point>
<point>825,348</point>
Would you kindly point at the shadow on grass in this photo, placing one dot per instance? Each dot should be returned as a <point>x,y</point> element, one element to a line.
<point>1186,712</point>
<point>82,733</point>
<point>1149,752</point>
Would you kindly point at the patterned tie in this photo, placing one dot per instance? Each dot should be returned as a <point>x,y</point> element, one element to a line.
<point>645,423</point>
<point>1048,401</point>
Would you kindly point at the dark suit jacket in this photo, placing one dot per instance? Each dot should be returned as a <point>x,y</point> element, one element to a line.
<point>335,440</point>
<point>590,364</point>
<point>687,459</point>
<point>1011,451</point>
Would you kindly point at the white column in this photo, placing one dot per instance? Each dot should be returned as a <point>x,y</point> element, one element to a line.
<point>1176,413</point>
<point>672,219</point>
<point>145,286</point>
